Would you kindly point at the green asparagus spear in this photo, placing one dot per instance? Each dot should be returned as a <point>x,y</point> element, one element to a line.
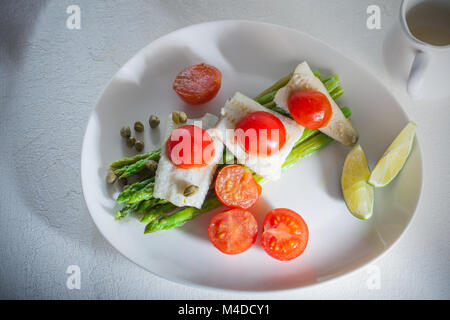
<point>178,218</point>
<point>336,93</point>
<point>306,148</point>
<point>143,206</point>
<point>331,82</point>
<point>134,168</point>
<point>267,97</point>
<point>126,210</point>
<point>151,155</point>
<point>277,85</point>
<point>145,193</point>
<point>317,74</point>
<point>272,106</point>
<point>272,90</point>
<point>131,191</point>
<point>157,211</point>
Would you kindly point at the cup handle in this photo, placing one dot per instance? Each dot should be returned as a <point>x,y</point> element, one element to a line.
<point>416,74</point>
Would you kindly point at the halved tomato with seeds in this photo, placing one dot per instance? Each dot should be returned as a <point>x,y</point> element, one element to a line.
<point>233,231</point>
<point>198,83</point>
<point>236,188</point>
<point>285,234</point>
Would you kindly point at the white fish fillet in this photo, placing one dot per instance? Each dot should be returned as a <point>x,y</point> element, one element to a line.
<point>233,111</point>
<point>170,181</point>
<point>339,128</point>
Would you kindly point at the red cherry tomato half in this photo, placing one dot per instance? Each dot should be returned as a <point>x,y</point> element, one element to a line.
<point>236,188</point>
<point>310,109</point>
<point>285,234</point>
<point>261,133</point>
<point>190,146</point>
<point>233,231</point>
<point>198,83</point>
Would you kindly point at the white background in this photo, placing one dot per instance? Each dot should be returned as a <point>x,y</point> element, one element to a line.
<point>50,80</point>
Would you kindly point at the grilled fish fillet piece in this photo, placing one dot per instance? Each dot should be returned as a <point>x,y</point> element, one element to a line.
<point>234,110</point>
<point>171,181</point>
<point>339,128</point>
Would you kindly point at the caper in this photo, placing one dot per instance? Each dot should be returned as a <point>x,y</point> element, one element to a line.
<point>153,121</point>
<point>183,117</point>
<point>179,117</point>
<point>176,117</point>
<point>131,141</point>
<point>125,132</point>
<point>190,190</point>
<point>139,145</point>
<point>111,177</point>
<point>138,126</point>
<point>148,170</point>
<point>151,166</point>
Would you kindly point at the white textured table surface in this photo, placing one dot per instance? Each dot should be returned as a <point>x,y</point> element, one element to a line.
<point>50,80</point>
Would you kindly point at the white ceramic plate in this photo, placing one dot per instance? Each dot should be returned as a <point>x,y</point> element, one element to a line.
<point>251,57</point>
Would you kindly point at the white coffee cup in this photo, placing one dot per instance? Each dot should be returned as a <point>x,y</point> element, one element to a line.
<point>429,59</point>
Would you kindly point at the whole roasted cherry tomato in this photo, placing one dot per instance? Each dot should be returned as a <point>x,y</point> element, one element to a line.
<point>190,146</point>
<point>261,133</point>
<point>311,109</point>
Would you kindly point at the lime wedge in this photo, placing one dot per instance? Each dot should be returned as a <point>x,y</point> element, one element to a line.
<point>394,158</point>
<point>358,194</point>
